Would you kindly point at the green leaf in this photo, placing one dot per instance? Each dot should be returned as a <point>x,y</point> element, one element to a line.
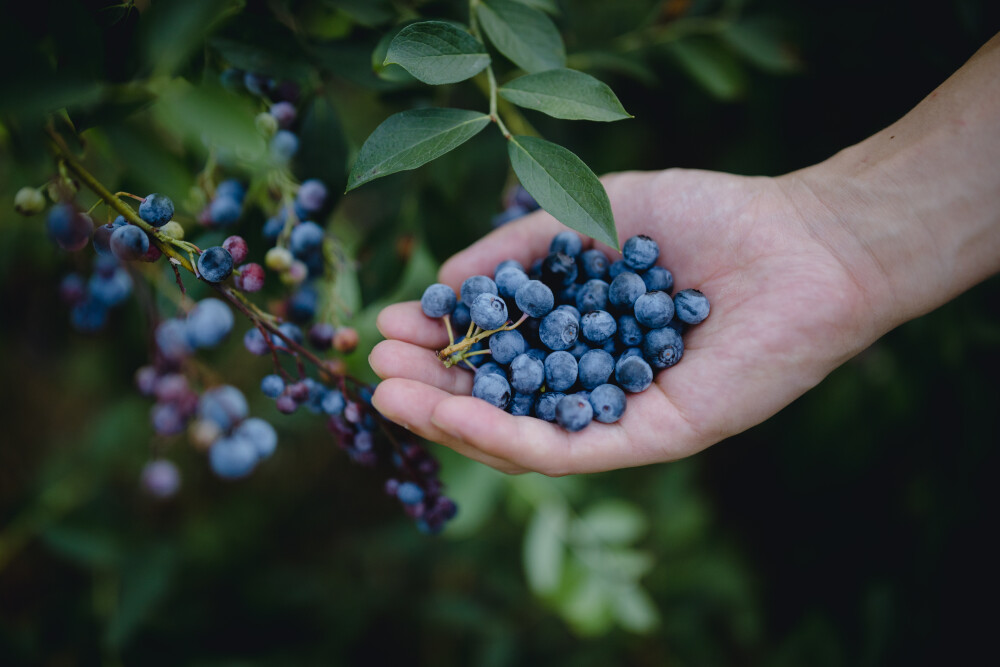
<point>564,186</point>
<point>762,43</point>
<point>634,609</point>
<point>714,68</point>
<point>545,5</point>
<point>565,93</point>
<point>610,522</point>
<point>543,548</point>
<point>522,33</point>
<point>172,32</point>
<point>409,139</point>
<point>211,115</point>
<point>437,52</point>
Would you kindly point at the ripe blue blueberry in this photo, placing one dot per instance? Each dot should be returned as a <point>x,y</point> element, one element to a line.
<point>208,323</point>
<point>474,286</point>
<point>161,478</point>
<point>490,367</point>
<point>156,209</point>
<point>617,268</point>
<point>560,371</point>
<point>172,339</point>
<point>272,228</point>
<point>536,353</point>
<point>311,195</point>
<point>505,345</point>
<point>112,288</point>
<point>692,306</point>
<point>272,385</point>
<point>102,236</point>
<point>306,237</point>
<point>284,145</point>
<point>508,280</point>
<point>608,402</point>
<point>508,263</point>
<point>527,374</point>
<point>545,405</point>
<point>654,309</point>
<point>595,367</point>
<point>225,405</point>
<point>598,326</point>
<point>559,270</point>
<point>658,278</point>
<point>574,412</point>
<point>260,433</point>
<point>489,311</point>
<point>409,493</point>
<point>438,300</point>
<point>534,298</point>
<point>625,289</point>
<point>567,242</point>
<point>290,331</point>
<point>579,349</point>
<point>333,402</point>
<point>632,372</point>
<point>166,419</point>
<point>303,303</point>
<point>521,404</point>
<point>89,315</point>
<point>629,352</point>
<point>559,330</point>
<point>284,113</point>
<point>663,347</point>
<point>215,264</point>
<point>572,310</point>
<point>255,343</point>
<point>224,211</point>
<point>629,332</point>
<point>592,295</point>
<point>69,228</point>
<point>232,457</point>
<point>593,263</point>
<point>492,388</point>
<point>640,252</point>
<point>231,189</point>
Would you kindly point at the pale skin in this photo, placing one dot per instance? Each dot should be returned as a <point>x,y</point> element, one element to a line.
<point>803,271</point>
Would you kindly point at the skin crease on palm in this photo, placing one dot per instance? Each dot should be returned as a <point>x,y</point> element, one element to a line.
<point>798,282</point>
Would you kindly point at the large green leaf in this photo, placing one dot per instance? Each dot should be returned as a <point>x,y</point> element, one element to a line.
<point>543,548</point>
<point>712,66</point>
<point>437,52</point>
<point>610,522</point>
<point>564,186</point>
<point>522,33</point>
<point>545,5</point>
<point>761,41</point>
<point>409,139</point>
<point>565,93</point>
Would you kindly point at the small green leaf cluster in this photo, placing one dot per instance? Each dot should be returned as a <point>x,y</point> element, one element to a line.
<point>440,52</point>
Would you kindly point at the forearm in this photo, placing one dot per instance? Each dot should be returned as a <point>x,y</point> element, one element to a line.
<point>914,210</point>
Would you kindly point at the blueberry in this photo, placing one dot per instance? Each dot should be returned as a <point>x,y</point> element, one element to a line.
<point>574,412</point>
<point>579,349</point>
<point>508,280</point>
<point>490,367</point>
<point>527,374</point>
<point>172,339</point>
<point>521,404</point>
<point>625,289</point>
<point>231,189</point>
<point>306,237</point>
<point>545,405</point>
<point>536,353</point>
<point>225,405</point>
<point>311,195</point>
<point>558,270</point>
<point>489,311</point>
<point>110,289</point>
<point>663,347</point>
<point>461,318</point>
<point>409,493</point>
<point>258,84</point>
<point>102,235</point>
<point>595,367</point>
<point>692,306</point>
<point>69,228</point>
<point>632,373</point>
<point>208,323</point>
<point>568,294</point>
<point>272,228</point>
<point>333,402</point>
<point>654,309</point>
<point>129,243</point>
<point>476,285</point>
<point>284,113</point>
<point>658,278</point>
<point>166,419</point>
<point>559,330</point>
<point>72,289</point>
<point>303,303</point>
<point>255,343</point>
<point>438,300</point>
<point>629,352</point>
<point>593,263</point>
<point>598,326</point>
<point>592,295</point>
<point>284,145</point>
<point>567,243</point>
<point>617,268</point>
<point>560,371</point>
<point>89,315</point>
<point>572,310</point>
<point>505,345</point>
<point>260,433</point>
<point>232,457</point>
<point>629,331</point>
<point>493,389</point>
<point>215,264</point>
<point>608,402</point>
<point>518,196</point>
<point>321,335</point>
<point>272,385</point>
<point>292,332</point>
<point>508,215</point>
<point>509,263</point>
<point>224,211</point>
<point>156,209</point>
<point>640,252</point>
<point>534,298</point>
<point>161,478</point>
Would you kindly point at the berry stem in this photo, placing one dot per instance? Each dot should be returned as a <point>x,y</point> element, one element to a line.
<point>451,334</point>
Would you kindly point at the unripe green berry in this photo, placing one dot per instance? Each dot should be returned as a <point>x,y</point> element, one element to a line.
<point>278,259</point>
<point>266,124</point>
<point>173,229</point>
<point>61,189</point>
<point>29,201</point>
<point>296,273</point>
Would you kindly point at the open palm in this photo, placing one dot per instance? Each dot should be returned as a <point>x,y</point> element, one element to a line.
<point>784,314</point>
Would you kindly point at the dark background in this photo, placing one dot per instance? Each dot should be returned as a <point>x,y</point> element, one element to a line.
<point>851,529</point>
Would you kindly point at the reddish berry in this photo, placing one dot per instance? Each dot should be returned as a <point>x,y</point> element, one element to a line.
<point>345,340</point>
<point>251,278</point>
<point>237,247</point>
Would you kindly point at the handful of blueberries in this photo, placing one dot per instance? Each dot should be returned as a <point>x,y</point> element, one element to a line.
<point>572,335</point>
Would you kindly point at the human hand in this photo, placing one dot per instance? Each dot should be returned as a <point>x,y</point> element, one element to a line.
<point>785,312</point>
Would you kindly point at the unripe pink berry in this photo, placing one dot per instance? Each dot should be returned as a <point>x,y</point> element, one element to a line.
<point>237,247</point>
<point>250,278</point>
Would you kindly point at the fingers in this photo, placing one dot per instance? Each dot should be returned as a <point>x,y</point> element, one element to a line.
<point>406,321</point>
<point>398,359</point>
<point>410,404</point>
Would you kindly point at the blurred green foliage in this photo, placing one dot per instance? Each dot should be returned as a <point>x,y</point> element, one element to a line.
<point>851,529</point>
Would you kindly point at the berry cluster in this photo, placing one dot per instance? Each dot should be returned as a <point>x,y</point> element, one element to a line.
<point>587,330</point>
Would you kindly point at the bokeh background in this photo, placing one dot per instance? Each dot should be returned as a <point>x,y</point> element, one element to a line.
<point>854,528</point>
